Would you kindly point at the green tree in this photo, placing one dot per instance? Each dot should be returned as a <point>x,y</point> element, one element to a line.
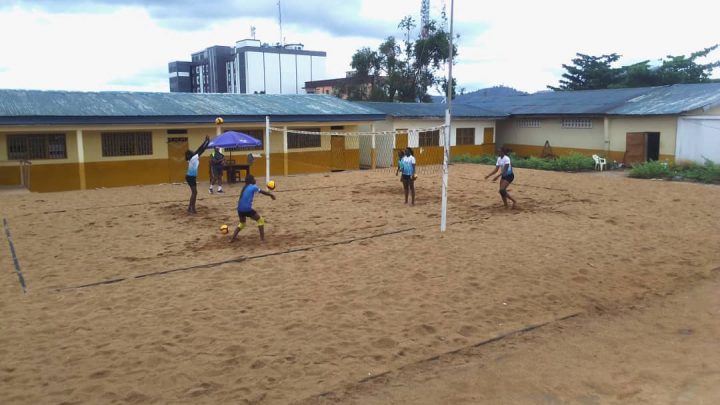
<point>402,71</point>
<point>595,72</point>
<point>679,69</point>
<point>589,72</point>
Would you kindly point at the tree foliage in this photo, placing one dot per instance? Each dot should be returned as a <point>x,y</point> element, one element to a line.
<point>402,71</point>
<point>596,72</point>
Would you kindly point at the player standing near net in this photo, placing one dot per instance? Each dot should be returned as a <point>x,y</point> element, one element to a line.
<point>401,156</point>
<point>245,209</point>
<point>193,159</point>
<point>408,174</point>
<point>506,174</point>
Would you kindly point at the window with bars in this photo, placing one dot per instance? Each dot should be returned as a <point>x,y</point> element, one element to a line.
<point>298,141</point>
<point>528,123</point>
<point>258,134</point>
<point>126,143</point>
<point>429,138</point>
<point>465,136</point>
<point>576,123</point>
<point>36,146</point>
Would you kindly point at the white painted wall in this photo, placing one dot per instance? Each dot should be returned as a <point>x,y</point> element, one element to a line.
<point>304,72</point>
<point>254,72</point>
<point>698,139</point>
<point>287,78</point>
<point>272,73</point>
<point>318,68</point>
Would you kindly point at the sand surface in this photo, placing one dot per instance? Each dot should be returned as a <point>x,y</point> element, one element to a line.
<point>355,297</point>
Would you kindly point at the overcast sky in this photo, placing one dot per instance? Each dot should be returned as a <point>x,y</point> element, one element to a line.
<point>126,44</point>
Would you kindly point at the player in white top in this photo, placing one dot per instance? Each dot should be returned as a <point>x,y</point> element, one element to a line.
<point>407,166</point>
<point>193,159</point>
<point>506,174</point>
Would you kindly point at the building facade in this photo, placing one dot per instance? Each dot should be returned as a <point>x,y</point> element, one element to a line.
<point>250,67</point>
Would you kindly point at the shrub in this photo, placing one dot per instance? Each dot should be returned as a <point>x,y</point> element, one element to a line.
<point>483,159</point>
<point>574,162</point>
<point>707,173</point>
<point>650,170</point>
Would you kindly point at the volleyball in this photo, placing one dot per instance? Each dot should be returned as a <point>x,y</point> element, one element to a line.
<point>271,185</point>
<point>219,120</point>
<point>224,228</point>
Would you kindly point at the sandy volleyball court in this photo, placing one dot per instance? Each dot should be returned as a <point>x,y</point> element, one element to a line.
<point>356,298</point>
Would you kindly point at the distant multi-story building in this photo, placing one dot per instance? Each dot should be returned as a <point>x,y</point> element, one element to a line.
<point>249,67</point>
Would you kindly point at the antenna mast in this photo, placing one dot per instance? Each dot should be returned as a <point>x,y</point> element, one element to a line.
<point>282,40</point>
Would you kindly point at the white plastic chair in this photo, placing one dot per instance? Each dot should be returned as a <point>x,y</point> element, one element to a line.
<point>599,162</point>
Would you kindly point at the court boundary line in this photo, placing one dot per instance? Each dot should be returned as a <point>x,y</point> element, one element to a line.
<point>16,262</point>
<point>436,357</point>
<point>260,256</point>
<point>235,260</point>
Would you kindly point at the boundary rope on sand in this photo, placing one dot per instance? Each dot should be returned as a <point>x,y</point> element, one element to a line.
<point>501,336</point>
<point>14,256</point>
<point>236,260</point>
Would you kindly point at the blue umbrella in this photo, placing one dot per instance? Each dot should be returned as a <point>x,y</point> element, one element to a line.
<point>232,139</point>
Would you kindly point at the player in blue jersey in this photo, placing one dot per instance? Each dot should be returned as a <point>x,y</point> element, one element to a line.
<point>245,209</point>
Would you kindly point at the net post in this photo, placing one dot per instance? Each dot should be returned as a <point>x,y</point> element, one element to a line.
<point>446,149</point>
<point>267,149</point>
<point>373,153</point>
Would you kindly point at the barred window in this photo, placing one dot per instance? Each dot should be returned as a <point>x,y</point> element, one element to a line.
<point>528,123</point>
<point>298,141</point>
<point>577,123</point>
<point>429,138</point>
<point>126,143</point>
<point>36,146</point>
<point>258,134</point>
<point>465,136</point>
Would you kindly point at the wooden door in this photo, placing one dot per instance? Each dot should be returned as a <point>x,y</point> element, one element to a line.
<point>177,165</point>
<point>401,143</point>
<point>635,148</point>
<point>488,136</point>
<point>337,149</point>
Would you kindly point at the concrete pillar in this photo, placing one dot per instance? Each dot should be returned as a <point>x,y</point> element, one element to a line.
<point>373,153</point>
<point>285,150</point>
<point>606,133</point>
<point>81,158</point>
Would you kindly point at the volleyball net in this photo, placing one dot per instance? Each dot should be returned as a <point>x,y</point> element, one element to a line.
<point>310,150</point>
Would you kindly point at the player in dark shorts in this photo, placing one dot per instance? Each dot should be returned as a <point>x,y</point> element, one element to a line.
<point>407,166</point>
<point>245,209</point>
<point>217,162</point>
<point>193,159</point>
<point>506,174</point>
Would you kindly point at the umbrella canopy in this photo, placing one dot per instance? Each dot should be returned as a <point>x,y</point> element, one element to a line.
<point>232,139</point>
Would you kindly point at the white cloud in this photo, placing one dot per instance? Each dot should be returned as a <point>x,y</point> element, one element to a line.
<point>515,43</point>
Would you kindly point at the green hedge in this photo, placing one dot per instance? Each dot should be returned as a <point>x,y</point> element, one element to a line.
<point>705,173</point>
<point>574,162</point>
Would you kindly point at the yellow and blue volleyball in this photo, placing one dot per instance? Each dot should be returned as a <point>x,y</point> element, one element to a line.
<point>271,185</point>
<point>223,228</point>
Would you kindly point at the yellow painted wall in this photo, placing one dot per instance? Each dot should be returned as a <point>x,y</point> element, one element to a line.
<point>64,174</point>
<point>508,132</point>
<point>666,125</point>
<point>530,141</point>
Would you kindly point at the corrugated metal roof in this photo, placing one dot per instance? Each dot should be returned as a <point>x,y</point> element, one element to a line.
<point>675,99</point>
<point>582,102</point>
<point>431,110</point>
<point>181,107</point>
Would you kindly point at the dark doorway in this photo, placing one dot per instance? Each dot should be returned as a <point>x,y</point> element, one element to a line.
<point>653,146</point>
